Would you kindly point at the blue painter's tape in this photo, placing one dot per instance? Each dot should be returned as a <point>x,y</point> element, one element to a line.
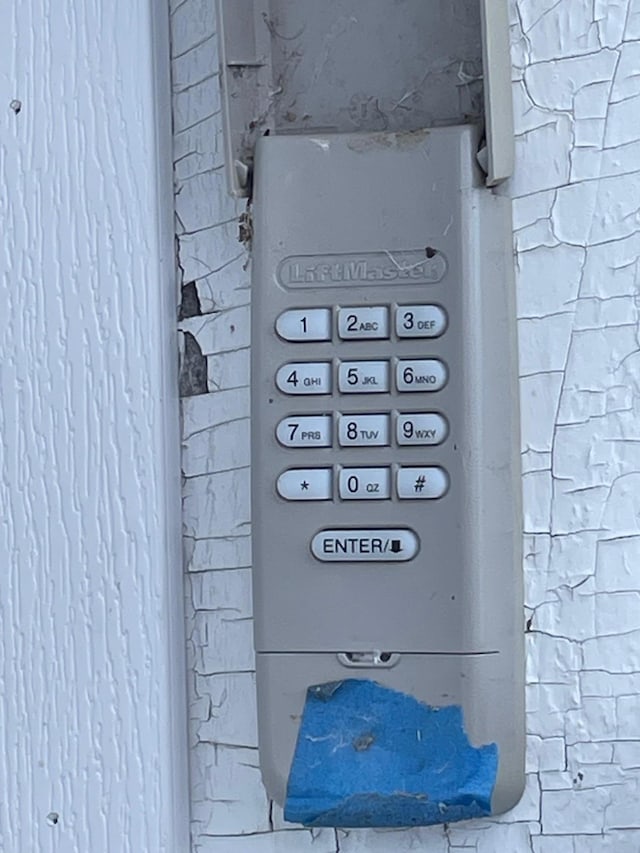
<point>370,756</point>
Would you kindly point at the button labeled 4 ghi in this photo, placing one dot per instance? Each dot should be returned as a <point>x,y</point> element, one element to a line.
<point>305,378</point>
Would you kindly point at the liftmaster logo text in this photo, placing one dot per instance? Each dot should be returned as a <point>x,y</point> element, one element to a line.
<point>414,266</point>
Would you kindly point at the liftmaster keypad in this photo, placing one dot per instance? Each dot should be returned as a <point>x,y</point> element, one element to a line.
<point>385,433</point>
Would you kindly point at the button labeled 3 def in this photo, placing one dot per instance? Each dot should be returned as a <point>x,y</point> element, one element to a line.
<point>388,545</point>
<point>420,321</point>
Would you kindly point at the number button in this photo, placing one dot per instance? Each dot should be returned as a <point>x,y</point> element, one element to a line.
<point>305,377</point>
<point>364,484</point>
<point>427,483</point>
<point>420,321</point>
<point>363,323</point>
<point>425,374</point>
<point>363,377</point>
<point>305,484</point>
<point>313,324</point>
<point>363,430</point>
<point>302,431</point>
<point>421,428</point>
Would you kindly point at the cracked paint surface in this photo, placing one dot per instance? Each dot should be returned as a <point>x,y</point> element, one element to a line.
<point>577,235</point>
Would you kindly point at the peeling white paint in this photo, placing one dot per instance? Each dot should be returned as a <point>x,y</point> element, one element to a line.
<point>577,233</point>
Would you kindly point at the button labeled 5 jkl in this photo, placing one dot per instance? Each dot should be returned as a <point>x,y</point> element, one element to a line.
<point>363,377</point>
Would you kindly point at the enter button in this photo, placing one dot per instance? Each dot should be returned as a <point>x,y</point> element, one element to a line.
<point>389,545</point>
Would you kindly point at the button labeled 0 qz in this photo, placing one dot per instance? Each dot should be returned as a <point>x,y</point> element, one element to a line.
<point>365,484</point>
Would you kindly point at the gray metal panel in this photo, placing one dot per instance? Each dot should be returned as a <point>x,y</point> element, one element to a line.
<point>363,65</point>
<point>363,196</point>
<point>345,66</point>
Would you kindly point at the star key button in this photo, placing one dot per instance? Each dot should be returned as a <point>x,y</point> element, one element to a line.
<point>306,484</point>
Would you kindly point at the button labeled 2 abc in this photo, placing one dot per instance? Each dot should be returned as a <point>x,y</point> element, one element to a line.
<point>363,323</point>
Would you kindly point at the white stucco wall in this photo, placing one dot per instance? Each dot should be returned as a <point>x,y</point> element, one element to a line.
<point>577,233</point>
<point>92,721</point>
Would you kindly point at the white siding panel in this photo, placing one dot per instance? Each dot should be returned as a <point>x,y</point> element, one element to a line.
<point>92,722</point>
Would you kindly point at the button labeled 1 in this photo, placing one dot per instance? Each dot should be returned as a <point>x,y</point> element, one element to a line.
<point>305,377</point>
<point>365,484</point>
<point>420,321</point>
<point>305,431</point>
<point>363,377</point>
<point>363,323</point>
<point>423,374</point>
<point>363,430</point>
<point>305,484</point>
<point>312,324</point>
